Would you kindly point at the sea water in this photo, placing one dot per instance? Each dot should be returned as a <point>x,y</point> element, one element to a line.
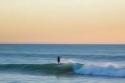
<point>98,63</point>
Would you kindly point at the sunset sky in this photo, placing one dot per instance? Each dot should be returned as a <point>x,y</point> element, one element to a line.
<point>62,21</point>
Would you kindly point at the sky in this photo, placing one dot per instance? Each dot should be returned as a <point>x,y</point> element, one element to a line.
<point>62,21</point>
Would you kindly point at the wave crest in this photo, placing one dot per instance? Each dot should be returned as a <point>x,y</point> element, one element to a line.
<point>99,70</point>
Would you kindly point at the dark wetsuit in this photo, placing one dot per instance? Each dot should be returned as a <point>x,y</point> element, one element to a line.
<point>58,60</point>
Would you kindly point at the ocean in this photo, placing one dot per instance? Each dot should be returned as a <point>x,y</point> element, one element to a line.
<point>81,63</point>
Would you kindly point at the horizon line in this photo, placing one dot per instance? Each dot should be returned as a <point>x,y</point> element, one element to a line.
<point>71,43</point>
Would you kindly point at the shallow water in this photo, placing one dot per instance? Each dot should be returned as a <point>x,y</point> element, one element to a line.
<point>19,78</point>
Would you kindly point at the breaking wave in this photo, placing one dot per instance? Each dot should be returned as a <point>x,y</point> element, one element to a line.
<point>73,69</point>
<point>97,70</point>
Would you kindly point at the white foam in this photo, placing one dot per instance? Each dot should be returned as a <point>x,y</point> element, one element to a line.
<point>67,61</point>
<point>106,70</point>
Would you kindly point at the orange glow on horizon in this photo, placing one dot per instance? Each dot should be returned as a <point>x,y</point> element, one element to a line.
<point>62,21</point>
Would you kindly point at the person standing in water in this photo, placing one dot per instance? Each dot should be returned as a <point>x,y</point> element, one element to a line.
<point>58,60</point>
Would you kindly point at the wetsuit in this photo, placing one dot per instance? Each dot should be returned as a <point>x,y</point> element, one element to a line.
<point>58,60</point>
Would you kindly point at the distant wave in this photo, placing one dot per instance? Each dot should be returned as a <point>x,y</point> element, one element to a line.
<point>53,55</point>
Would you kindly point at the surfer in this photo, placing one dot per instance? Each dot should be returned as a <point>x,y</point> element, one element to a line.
<point>58,60</point>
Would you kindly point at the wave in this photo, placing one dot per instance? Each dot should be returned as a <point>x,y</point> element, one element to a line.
<point>97,70</point>
<point>66,69</point>
<point>53,55</point>
<point>37,68</point>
